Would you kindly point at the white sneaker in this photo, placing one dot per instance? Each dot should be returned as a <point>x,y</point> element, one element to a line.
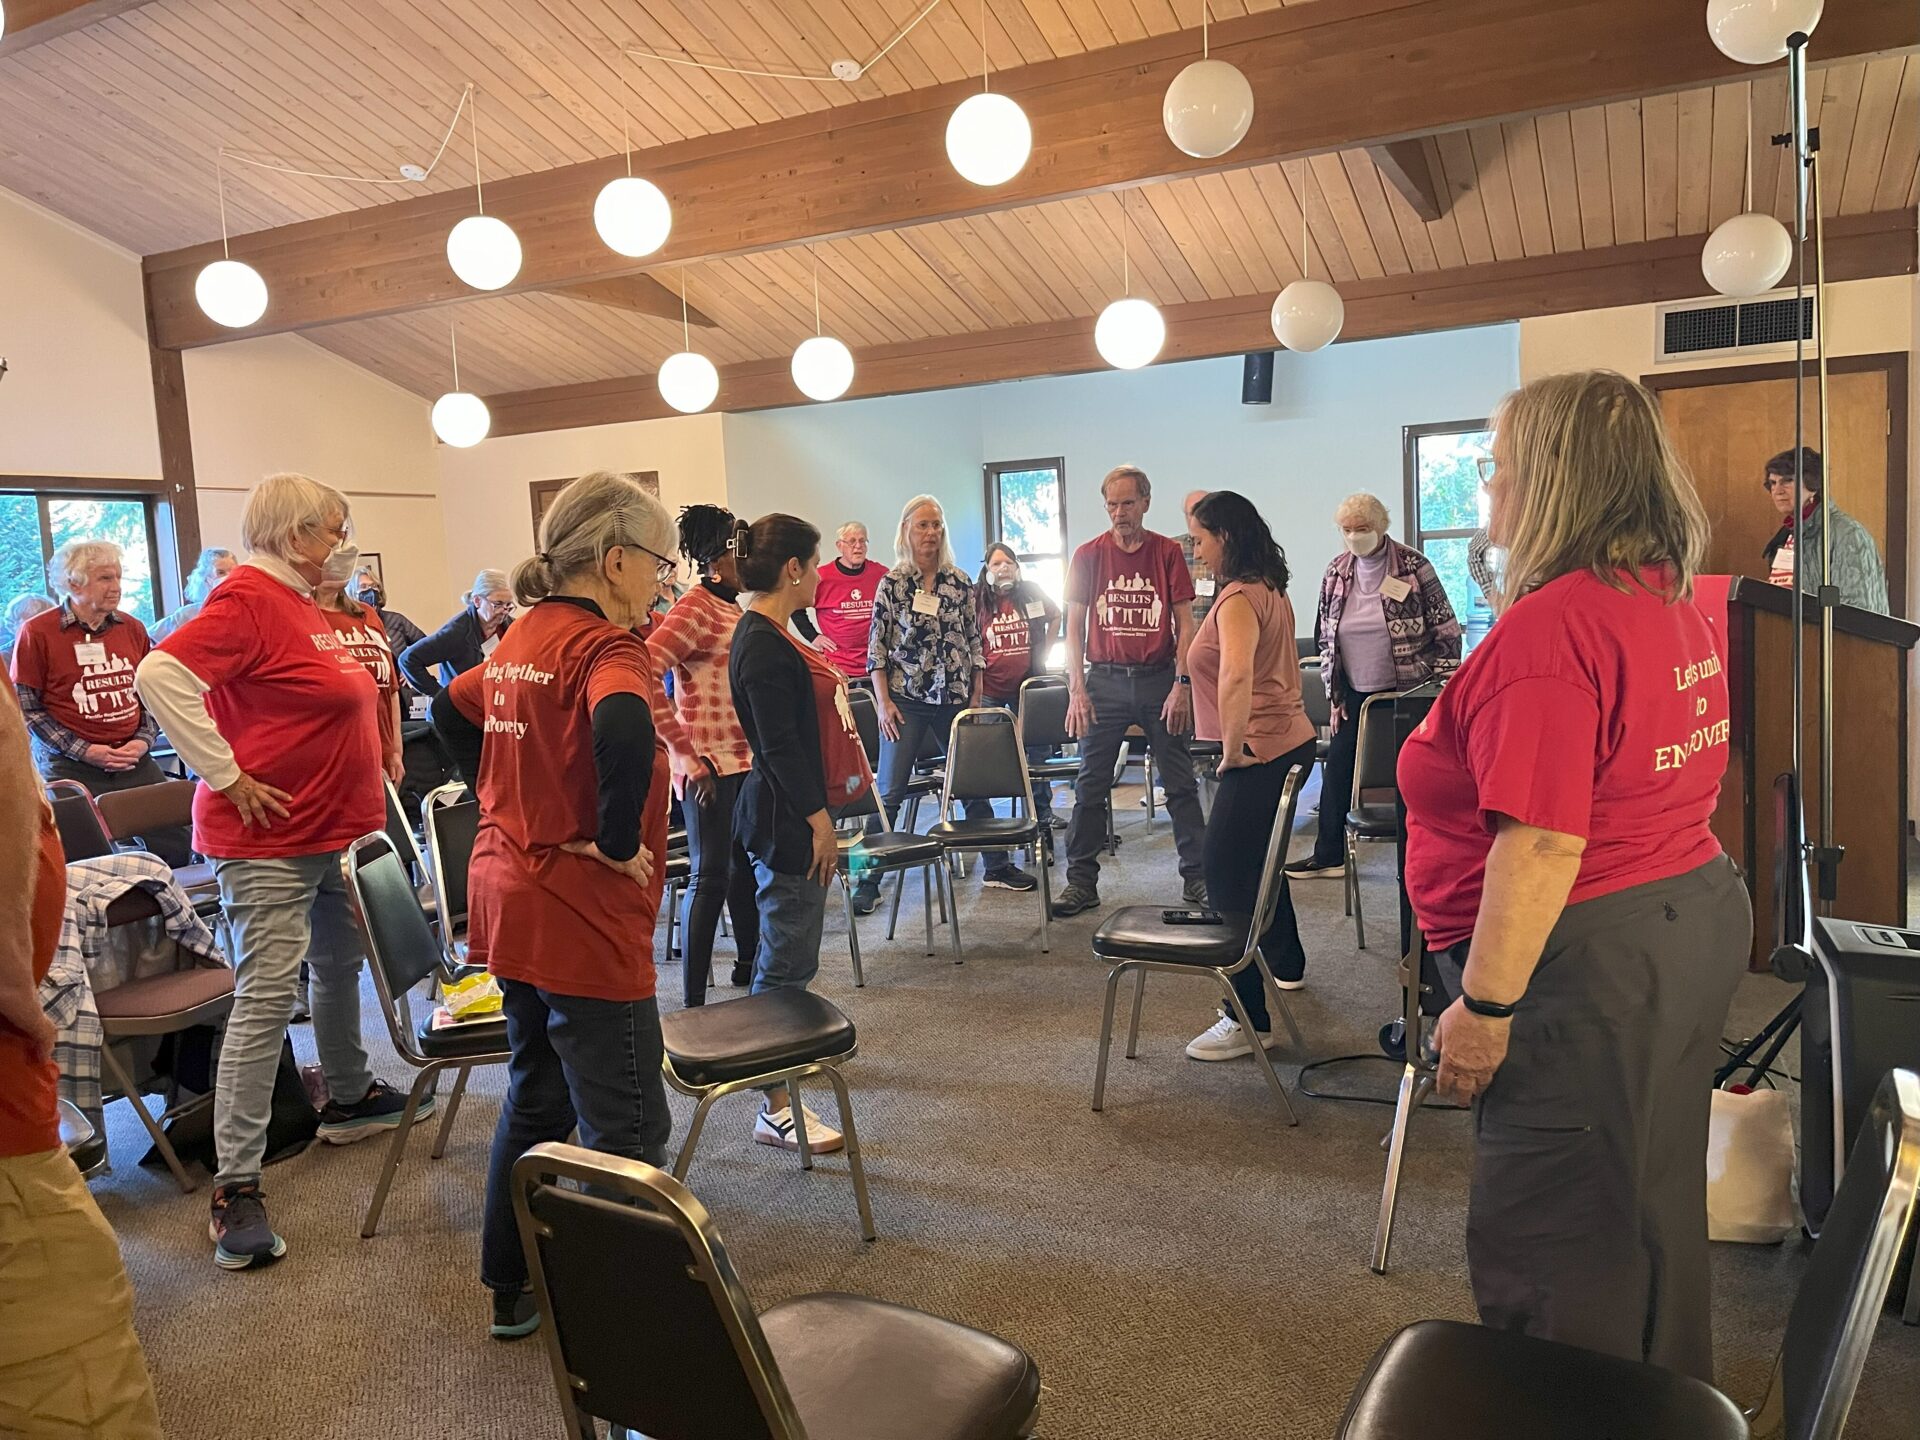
<point>1159,798</point>
<point>775,1127</point>
<point>1224,1040</point>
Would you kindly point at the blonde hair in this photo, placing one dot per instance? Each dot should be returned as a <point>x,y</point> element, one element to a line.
<point>903,549</point>
<point>282,508</point>
<point>74,561</point>
<point>1594,484</point>
<point>591,516</point>
<point>1369,508</point>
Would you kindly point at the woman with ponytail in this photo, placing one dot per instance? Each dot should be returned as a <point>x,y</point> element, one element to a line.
<point>565,879</point>
<point>711,757</point>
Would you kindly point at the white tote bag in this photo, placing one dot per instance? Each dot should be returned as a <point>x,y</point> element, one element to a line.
<point>1750,1168</point>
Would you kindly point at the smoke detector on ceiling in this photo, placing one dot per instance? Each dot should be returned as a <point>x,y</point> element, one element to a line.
<point>412,172</point>
<point>848,70</point>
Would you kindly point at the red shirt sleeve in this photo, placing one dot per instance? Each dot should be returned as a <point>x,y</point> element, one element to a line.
<point>221,642</point>
<point>1529,749</point>
<point>468,693</point>
<point>30,658</point>
<point>1080,577</point>
<point>1179,579</point>
<point>621,667</point>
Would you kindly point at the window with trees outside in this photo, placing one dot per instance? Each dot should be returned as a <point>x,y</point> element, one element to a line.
<point>1027,511</point>
<point>35,523</point>
<point>1446,506</point>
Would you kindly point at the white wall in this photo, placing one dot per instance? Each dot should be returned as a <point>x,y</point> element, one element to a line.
<point>281,403</point>
<point>485,506</point>
<point>78,396</point>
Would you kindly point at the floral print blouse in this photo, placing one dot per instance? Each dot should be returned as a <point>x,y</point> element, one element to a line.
<point>930,658</point>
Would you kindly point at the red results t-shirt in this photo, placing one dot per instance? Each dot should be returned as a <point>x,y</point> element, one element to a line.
<point>537,913</point>
<point>1008,633</point>
<point>30,1084</point>
<point>844,610</point>
<point>365,636</point>
<point>85,678</point>
<point>1575,670</point>
<point>1130,598</point>
<point>299,711</point>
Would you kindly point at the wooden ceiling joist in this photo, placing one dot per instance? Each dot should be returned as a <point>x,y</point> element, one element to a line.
<point>1858,247</point>
<point>1332,75</point>
<point>641,294</point>
<point>1403,165</point>
<point>34,22</point>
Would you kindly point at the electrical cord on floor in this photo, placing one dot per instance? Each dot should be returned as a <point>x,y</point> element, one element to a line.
<point>1394,1099</point>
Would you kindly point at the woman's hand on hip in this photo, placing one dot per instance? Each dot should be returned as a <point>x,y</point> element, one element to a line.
<point>1472,1048</point>
<point>639,869</point>
<point>1235,758</point>
<point>700,782</point>
<point>826,849</point>
<point>256,801</point>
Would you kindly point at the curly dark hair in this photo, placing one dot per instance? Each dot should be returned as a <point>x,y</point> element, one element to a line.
<point>706,534</point>
<point>1248,549</point>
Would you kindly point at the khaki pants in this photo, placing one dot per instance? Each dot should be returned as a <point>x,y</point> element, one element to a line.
<point>70,1364</point>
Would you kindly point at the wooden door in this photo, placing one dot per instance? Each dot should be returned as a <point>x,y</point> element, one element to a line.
<point>1726,424</point>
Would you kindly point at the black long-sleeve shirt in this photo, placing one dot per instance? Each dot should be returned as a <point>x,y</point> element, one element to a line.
<point>455,647</point>
<point>773,695</point>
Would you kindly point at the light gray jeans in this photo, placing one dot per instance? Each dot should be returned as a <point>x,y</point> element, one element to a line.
<point>282,912</point>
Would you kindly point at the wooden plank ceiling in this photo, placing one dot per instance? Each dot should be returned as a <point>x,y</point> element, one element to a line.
<point>116,126</point>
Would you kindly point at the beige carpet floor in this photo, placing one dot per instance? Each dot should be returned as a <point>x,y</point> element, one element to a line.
<point>1182,1265</point>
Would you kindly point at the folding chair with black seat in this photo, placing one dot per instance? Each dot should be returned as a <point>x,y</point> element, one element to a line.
<point>1443,1380</point>
<point>84,1142</point>
<point>1375,761</point>
<point>985,761</point>
<point>648,1327</point>
<point>1318,708</point>
<point>1042,707</point>
<point>924,780</point>
<point>756,1042</point>
<point>1140,939</point>
<point>883,852</point>
<point>401,952</point>
<point>129,814</point>
<point>450,816</point>
<point>84,835</point>
<point>678,875</point>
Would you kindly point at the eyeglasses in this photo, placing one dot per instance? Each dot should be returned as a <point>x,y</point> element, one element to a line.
<point>1773,482</point>
<point>492,606</point>
<point>1485,465</point>
<point>666,568</point>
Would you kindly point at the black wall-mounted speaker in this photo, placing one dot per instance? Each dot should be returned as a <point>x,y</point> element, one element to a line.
<point>1256,380</point>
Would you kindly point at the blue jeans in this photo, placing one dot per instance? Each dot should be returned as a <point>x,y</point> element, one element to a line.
<point>924,730</point>
<point>576,1061</point>
<point>793,911</point>
<point>1246,807</point>
<point>283,911</point>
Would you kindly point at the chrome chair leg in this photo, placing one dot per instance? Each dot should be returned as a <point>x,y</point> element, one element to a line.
<point>453,1109</point>
<point>1046,905</point>
<point>899,889</point>
<point>953,901</point>
<point>1414,1086</point>
<point>926,897</point>
<point>124,1084</point>
<point>854,1163</point>
<point>395,1149</point>
<point>1106,1035</point>
<point>853,930</point>
<point>798,1110</point>
<point>1133,1023</point>
<point>1277,1001</point>
<point>684,1159</point>
<point>1259,1050</point>
<point>673,918</point>
<point>1359,915</point>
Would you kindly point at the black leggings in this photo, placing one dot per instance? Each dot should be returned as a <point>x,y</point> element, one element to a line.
<point>721,873</point>
<point>1246,806</point>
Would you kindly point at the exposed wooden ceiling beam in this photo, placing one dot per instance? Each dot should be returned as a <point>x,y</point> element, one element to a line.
<point>34,22</point>
<point>1858,246</point>
<point>1331,75</point>
<point>1403,165</point>
<point>642,294</point>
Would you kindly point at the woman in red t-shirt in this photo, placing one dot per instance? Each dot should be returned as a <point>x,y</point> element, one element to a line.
<point>362,631</point>
<point>554,729</point>
<point>1561,864</point>
<point>1018,625</point>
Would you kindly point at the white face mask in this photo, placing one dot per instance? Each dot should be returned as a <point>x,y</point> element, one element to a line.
<point>1003,576</point>
<point>340,563</point>
<point>1363,542</point>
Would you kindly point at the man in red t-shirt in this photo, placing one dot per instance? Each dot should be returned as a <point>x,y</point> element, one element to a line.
<point>73,671</point>
<point>1129,622</point>
<point>70,1363</point>
<point>842,615</point>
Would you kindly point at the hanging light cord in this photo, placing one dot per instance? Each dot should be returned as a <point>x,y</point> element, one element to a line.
<point>686,329</point>
<point>465,96</point>
<point>814,255</point>
<point>1204,51</point>
<point>473,122</point>
<point>986,68</point>
<point>721,67</point>
<point>1126,274</point>
<point>453,343</point>
<point>1749,203</point>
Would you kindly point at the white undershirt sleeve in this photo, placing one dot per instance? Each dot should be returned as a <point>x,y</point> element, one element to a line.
<point>178,699</point>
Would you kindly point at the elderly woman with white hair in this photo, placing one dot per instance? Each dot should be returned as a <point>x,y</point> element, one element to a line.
<point>216,562</point>
<point>465,640</point>
<point>1385,624</point>
<point>927,659</point>
<point>281,724</point>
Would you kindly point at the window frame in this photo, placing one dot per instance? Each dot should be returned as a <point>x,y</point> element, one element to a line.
<point>1410,438</point>
<point>151,494</point>
<point>993,470</point>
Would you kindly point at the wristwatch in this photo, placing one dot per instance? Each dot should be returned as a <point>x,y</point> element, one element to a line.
<point>1184,679</point>
<point>1489,1008</point>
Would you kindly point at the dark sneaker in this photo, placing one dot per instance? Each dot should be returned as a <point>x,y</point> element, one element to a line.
<point>379,1109</point>
<point>1074,899</point>
<point>238,1227</point>
<point>1008,877</point>
<point>516,1315</point>
<point>866,898</point>
<point>1311,869</point>
<point>1194,892</point>
<point>742,975</point>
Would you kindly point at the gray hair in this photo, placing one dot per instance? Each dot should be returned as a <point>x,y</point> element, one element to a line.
<point>588,518</point>
<point>848,528</point>
<point>1363,506</point>
<point>200,580</point>
<point>1128,472</point>
<point>283,508</point>
<point>903,550</point>
<point>23,608</point>
<point>74,561</point>
<point>488,581</point>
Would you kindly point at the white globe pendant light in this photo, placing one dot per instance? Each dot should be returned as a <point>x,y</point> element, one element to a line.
<point>1129,333</point>
<point>1747,255</point>
<point>1209,105</point>
<point>688,382</point>
<point>1308,315</point>
<point>231,293</point>
<point>1755,32</point>
<point>484,252</point>
<point>461,419</point>
<point>3,18</point>
<point>822,368</point>
<point>632,216</point>
<point>989,139</point>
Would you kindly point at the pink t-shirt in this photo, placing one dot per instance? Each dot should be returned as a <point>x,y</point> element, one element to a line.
<point>843,609</point>
<point>1277,720</point>
<point>1587,710</point>
<point>1131,598</point>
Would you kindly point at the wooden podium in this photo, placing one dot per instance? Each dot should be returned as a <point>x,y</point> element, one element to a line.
<point>1869,746</point>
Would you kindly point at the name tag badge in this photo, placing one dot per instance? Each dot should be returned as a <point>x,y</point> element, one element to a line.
<point>925,604</point>
<point>91,653</point>
<point>1394,588</point>
<point>490,644</point>
<point>1036,610</point>
<point>1204,587</point>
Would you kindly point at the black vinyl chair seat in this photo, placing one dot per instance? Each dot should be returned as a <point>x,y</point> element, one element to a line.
<point>679,866</point>
<point>891,849</point>
<point>994,830</point>
<point>1442,1380</point>
<point>862,1369</point>
<point>85,1145</point>
<point>1138,933</point>
<point>476,1037</point>
<point>754,1035</point>
<point>1374,821</point>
